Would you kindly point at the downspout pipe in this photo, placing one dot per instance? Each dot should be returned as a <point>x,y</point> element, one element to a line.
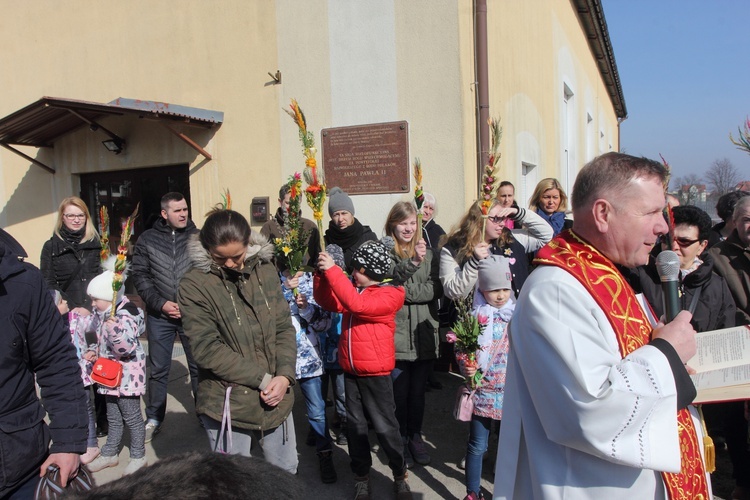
<point>482,87</point>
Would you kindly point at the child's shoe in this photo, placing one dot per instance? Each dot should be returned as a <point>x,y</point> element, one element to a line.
<point>91,453</point>
<point>134,465</point>
<point>401,487</point>
<point>102,462</point>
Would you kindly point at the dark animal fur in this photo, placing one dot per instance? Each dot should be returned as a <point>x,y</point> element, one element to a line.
<point>201,475</point>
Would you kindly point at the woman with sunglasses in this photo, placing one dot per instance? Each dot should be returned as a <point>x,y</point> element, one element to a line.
<point>464,247</point>
<point>704,293</point>
<point>70,259</point>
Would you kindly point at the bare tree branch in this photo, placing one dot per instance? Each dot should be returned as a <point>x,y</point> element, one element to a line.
<point>722,176</point>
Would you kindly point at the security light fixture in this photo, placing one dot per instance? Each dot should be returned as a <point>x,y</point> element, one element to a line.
<point>116,145</point>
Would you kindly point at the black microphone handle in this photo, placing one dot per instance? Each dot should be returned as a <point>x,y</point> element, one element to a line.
<point>671,300</point>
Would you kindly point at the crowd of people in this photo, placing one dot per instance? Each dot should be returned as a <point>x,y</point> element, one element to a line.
<point>574,362</point>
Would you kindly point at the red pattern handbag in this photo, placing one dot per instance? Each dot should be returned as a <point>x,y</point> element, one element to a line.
<point>107,372</point>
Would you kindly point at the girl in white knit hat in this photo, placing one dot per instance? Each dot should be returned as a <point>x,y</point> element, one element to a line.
<point>118,340</point>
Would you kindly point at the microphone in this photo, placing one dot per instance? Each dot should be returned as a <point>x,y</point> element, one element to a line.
<point>668,267</point>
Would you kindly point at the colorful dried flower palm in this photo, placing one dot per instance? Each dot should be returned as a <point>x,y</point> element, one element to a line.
<point>489,178</point>
<point>464,334</point>
<point>743,140</point>
<point>315,193</point>
<point>418,196</point>
<point>292,246</point>
<point>103,233</point>
<point>668,215</point>
<point>226,200</point>
<point>122,252</point>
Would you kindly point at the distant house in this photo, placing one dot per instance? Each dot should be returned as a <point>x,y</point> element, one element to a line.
<point>743,186</point>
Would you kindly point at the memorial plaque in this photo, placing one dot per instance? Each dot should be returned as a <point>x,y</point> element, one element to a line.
<point>367,159</point>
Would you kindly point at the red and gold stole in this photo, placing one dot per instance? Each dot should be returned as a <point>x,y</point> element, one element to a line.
<point>618,301</point>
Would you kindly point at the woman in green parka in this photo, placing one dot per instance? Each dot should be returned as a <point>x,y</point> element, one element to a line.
<point>416,327</point>
<point>240,331</point>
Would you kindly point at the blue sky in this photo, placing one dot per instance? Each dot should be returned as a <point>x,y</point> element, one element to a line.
<point>685,72</point>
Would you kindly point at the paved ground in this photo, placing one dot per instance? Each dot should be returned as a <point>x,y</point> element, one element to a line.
<point>446,437</point>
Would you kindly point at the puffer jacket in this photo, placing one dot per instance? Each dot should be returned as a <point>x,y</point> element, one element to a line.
<point>119,341</point>
<point>732,261</point>
<point>366,346</point>
<point>715,308</point>
<point>241,334</point>
<point>58,261</point>
<point>35,346</point>
<point>416,321</point>
<point>160,259</point>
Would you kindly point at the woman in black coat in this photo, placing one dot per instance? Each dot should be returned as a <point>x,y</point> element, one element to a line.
<point>344,230</point>
<point>70,259</point>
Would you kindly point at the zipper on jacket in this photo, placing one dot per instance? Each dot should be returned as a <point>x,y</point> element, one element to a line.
<point>260,287</point>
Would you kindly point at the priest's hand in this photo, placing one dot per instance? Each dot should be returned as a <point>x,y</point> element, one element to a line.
<point>680,334</point>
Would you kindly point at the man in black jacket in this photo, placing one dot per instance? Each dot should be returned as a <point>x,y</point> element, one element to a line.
<point>159,261</point>
<point>35,343</point>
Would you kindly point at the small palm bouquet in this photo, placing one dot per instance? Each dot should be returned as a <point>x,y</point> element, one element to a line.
<point>292,245</point>
<point>464,334</point>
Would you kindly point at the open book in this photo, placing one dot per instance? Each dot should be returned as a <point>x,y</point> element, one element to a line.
<point>722,364</point>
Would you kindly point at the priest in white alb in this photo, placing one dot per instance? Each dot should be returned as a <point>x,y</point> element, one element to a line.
<point>597,397</point>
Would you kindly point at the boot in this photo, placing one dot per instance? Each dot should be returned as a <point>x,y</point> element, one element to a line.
<point>341,436</point>
<point>327,472</point>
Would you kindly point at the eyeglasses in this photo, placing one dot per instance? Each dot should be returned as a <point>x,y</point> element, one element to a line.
<point>496,220</point>
<point>74,216</point>
<point>684,242</point>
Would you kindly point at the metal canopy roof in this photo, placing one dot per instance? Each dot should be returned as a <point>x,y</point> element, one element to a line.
<point>41,123</point>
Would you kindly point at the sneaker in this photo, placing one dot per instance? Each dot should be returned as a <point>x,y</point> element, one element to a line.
<point>134,465</point>
<point>327,472</point>
<point>152,429</point>
<point>474,496</point>
<point>419,450</point>
<point>375,447</point>
<point>401,487</point>
<point>362,488</point>
<point>91,453</point>
<point>408,459</point>
<point>102,462</point>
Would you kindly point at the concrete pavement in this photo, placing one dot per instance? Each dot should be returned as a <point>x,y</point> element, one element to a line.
<point>445,437</point>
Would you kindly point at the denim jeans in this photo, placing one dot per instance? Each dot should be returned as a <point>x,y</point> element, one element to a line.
<point>409,386</point>
<point>316,411</point>
<point>339,393</point>
<point>479,436</point>
<point>374,395</point>
<point>279,445</point>
<point>161,337</point>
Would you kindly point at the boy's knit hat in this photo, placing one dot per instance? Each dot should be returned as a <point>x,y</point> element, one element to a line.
<point>101,287</point>
<point>339,200</point>
<point>494,274</point>
<point>373,258</point>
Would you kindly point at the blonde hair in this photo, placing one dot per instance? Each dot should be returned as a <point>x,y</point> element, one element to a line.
<point>544,186</point>
<point>90,232</point>
<point>399,213</point>
<point>468,233</point>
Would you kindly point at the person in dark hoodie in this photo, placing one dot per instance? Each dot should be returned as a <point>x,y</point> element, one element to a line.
<point>160,259</point>
<point>36,346</point>
<point>344,230</point>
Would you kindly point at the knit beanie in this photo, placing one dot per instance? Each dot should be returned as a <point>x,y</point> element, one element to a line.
<point>339,200</point>
<point>494,274</point>
<point>373,258</point>
<point>101,287</point>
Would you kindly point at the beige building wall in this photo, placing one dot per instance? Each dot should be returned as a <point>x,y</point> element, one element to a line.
<point>347,62</point>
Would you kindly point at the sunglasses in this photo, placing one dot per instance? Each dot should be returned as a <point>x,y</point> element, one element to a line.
<point>684,242</point>
<point>496,220</point>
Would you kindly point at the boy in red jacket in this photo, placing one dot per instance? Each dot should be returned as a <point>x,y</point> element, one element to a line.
<point>367,353</point>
